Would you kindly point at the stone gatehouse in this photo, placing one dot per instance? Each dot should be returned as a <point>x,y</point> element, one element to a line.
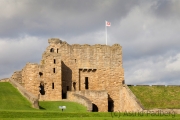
<point>94,72</point>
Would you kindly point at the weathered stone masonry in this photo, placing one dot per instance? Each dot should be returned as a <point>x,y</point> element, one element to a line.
<point>92,70</point>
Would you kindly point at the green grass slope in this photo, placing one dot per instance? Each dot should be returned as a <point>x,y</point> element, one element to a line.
<point>11,99</point>
<point>157,96</point>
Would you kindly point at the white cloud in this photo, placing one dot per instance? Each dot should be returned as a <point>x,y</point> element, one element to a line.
<point>173,64</point>
<point>17,52</point>
<point>162,69</point>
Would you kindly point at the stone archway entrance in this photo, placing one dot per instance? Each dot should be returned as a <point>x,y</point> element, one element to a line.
<point>94,108</point>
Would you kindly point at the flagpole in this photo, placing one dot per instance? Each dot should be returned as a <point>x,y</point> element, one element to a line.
<point>106,32</point>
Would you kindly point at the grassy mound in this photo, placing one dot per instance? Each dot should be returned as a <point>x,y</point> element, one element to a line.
<point>11,99</point>
<point>157,96</point>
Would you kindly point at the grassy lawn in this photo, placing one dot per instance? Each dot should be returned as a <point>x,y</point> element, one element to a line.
<point>49,115</point>
<point>14,106</point>
<point>54,106</point>
<point>157,96</point>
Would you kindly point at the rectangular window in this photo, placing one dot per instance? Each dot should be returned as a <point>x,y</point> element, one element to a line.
<point>54,70</point>
<point>54,61</point>
<point>52,85</point>
<point>86,83</point>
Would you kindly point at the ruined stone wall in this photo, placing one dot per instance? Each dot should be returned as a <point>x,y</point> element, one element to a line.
<point>45,77</point>
<point>30,78</point>
<point>67,67</point>
<point>17,76</point>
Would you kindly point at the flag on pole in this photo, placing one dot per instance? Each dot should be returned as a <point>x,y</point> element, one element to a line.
<point>108,23</point>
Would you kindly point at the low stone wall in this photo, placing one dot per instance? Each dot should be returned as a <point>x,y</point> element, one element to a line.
<point>99,99</point>
<point>71,96</point>
<point>4,80</point>
<point>128,100</point>
<point>34,100</point>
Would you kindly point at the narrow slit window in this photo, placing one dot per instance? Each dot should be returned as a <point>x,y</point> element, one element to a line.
<point>54,61</point>
<point>57,50</point>
<point>52,85</point>
<point>86,83</point>
<point>54,70</point>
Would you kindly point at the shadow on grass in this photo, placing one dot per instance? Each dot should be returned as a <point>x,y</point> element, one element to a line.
<point>41,108</point>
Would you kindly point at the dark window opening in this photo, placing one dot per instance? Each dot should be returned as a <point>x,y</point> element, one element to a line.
<point>41,88</point>
<point>67,88</point>
<point>52,85</point>
<point>54,70</point>
<point>110,104</point>
<point>54,61</point>
<point>74,85</point>
<point>40,74</point>
<point>64,95</point>
<point>86,83</point>
<point>52,50</point>
<point>94,108</point>
<point>57,50</point>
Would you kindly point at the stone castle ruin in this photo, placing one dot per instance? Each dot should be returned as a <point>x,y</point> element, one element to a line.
<point>90,75</point>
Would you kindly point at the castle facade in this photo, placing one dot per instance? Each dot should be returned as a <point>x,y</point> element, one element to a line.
<point>94,72</point>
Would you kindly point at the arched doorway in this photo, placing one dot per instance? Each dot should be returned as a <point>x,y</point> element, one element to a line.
<point>95,108</point>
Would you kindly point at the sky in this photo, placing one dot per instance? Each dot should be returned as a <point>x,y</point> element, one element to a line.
<point>147,30</point>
